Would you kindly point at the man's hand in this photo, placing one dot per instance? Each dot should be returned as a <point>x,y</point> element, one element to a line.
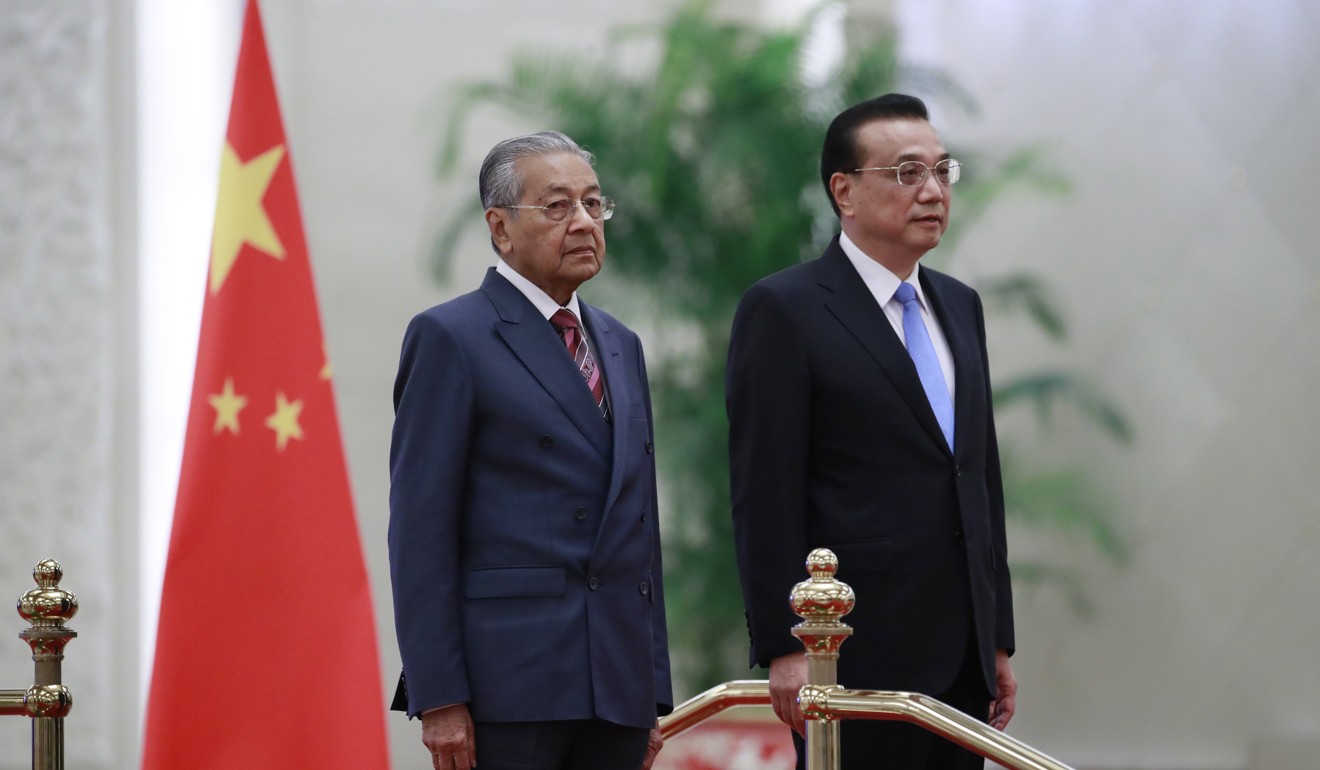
<point>448,735</point>
<point>787,675</point>
<point>653,744</point>
<point>1005,702</point>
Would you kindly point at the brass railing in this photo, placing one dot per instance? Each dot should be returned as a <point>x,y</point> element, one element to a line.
<point>721,697</point>
<point>47,607</point>
<point>822,601</point>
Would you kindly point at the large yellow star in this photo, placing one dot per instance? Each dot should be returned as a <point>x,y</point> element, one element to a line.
<point>285,421</point>
<point>227,405</point>
<point>239,215</point>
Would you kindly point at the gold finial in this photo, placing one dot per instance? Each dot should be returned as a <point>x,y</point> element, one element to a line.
<point>821,563</point>
<point>822,600</point>
<point>48,573</point>
<point>47,605</point>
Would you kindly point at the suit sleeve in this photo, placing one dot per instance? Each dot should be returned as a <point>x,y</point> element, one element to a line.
<point>1004,631</point>
<point>434,406</point>
<point>768,397</point>
<point>659,628</point>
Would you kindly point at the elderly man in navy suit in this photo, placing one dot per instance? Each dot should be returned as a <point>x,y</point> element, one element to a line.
<point>523,535</point>
<point>858,391</point>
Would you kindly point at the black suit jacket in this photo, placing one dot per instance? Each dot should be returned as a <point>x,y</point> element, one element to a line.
<point>832,443</point>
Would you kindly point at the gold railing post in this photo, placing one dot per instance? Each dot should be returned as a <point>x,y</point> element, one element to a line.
<point>821,602</point>
<point>47,607</point>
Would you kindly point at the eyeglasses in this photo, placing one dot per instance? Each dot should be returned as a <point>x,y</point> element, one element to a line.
<point>558,211</point>
<point>912,173</point>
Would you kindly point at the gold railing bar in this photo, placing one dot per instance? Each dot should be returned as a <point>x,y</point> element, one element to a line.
<point>721,697</point>
<point>821,602</point>
<point>833,703</point>
<point>12,703</point>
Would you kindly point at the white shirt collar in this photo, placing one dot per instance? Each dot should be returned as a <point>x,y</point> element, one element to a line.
<point>877,277</point>
<point>544,304</point>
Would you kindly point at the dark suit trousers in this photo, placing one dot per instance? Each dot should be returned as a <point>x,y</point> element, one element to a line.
<point>874,745</point>
<point>585,744</point>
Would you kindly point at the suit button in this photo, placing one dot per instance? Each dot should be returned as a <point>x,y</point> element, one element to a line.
<point>958,538</point>
<point>580,514</point>
<point>593,583</point>
<point>547,442</point>
<point>643,515</point>
<point>650,448</point>
<point>644,588</point>
<point>957,471</point>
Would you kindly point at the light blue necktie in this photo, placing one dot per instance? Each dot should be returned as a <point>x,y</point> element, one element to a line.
<point>923,355</point>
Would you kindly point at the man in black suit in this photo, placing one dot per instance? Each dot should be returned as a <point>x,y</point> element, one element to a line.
<point>858,393</point>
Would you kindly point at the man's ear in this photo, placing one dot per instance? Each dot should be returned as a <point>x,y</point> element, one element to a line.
<point>841,187</point>
<point>497,220</point>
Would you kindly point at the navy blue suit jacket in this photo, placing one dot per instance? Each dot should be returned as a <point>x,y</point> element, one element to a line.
<point>523,537</point>
<point>834,444</point>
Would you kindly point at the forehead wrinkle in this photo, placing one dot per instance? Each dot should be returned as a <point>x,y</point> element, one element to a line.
<point>567,189</point>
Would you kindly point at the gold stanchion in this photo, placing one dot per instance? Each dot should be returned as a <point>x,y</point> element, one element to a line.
<point>47,608</point>
<point>821,602</point>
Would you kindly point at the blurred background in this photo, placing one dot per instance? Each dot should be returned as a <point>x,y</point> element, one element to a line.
<point>1134,211</point>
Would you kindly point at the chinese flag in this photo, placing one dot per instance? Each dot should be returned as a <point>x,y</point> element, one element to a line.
<point>266,655</point>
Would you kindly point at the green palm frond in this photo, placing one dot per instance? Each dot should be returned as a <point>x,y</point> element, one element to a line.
<point>1035,573</point>
<point>1063,501</point>
<point>1043,389</point>
<point>1025,292</point>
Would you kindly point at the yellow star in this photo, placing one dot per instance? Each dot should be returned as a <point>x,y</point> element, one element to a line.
<point>327,371</point>
<point>227,405</point>
<point>239,215</point>
<point>285,421</point>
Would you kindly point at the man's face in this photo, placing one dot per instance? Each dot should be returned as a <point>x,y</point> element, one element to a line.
<point>556,256</point>
<point>882,216</point>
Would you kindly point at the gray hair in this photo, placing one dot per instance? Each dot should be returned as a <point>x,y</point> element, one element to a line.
<point>500,184</point>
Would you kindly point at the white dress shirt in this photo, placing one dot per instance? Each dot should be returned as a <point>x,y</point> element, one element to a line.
<point>548,307</point>
<point>882,285</point>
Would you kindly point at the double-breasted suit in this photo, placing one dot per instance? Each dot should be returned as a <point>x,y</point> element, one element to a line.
<point>833,443</point>
<point>524,544</point>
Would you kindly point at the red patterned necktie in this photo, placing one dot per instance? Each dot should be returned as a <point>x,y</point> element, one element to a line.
<point>569,331</point>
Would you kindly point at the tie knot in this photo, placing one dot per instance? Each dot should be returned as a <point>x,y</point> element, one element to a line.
<point>563,318</point>
<point>906,293</point>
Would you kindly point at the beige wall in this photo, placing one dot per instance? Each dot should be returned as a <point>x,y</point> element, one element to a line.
<point>1186,258</point>
<point>67,356</point>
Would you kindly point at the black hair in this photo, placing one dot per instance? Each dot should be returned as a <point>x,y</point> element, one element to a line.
<point>840,152</point>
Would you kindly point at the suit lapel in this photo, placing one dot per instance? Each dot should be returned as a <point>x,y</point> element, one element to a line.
<point>534,341</point>
<point>612,363</point>
<point>848,299</point>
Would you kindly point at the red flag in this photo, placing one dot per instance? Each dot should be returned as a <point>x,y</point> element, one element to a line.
<point>266,653</point>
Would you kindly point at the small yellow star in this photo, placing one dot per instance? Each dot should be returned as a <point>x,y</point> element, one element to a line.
<point>285,421</point>
<point>240,216</point>
<point>327,371</point>
<point>227,405</point>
